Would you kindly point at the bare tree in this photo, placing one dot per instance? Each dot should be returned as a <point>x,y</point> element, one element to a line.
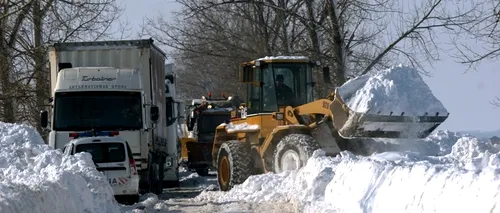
<point>353,37</point>
<point>41,22</point>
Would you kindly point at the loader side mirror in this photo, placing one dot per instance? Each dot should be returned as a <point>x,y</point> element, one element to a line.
<point>44,118</point>
<point>246,74</point>
<point>326,75</point>
<point>154,113</point>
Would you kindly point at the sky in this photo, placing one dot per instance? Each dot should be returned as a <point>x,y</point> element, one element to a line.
<point>466,95</point>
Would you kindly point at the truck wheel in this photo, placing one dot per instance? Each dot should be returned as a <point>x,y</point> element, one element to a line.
<point>293,151</point>
<point>234,164</point>
<point>202,172</point>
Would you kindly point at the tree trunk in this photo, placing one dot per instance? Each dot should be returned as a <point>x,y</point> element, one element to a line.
<point>7,99</point>
<point>313,34</point>
<point>39,58</point>
<point>339,70</point>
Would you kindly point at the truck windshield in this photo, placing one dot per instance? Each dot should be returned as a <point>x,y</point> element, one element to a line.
<point>99,110</point>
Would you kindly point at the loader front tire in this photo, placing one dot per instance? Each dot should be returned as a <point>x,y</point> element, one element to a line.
<point>234,164</point>
<point>293,151</point>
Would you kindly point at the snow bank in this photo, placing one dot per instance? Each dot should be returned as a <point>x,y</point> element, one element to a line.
<point>398,89</point>
<point>36,178</point>
<point>463,180</point>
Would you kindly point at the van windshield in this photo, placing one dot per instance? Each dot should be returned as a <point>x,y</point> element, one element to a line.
<point>103,152</point>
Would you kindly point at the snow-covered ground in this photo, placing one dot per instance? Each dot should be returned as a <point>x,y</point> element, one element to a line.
<point>464,178</point>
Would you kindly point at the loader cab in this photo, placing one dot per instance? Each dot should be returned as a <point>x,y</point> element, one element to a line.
<point>264,92</point>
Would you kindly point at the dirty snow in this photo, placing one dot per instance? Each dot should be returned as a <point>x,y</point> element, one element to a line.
<point>36,178</point>
<point>283,58</point>
<point>230,127</point>
<point>462,180</point>
<point>401,88</point>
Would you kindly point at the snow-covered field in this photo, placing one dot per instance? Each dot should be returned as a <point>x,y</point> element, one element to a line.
<point>446,172</point>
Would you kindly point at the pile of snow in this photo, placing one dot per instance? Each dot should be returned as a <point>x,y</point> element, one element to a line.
<point>463,180</point>
<point>398,89</point>
<point>36,178</point>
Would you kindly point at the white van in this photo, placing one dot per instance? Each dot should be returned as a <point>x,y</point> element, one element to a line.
<point>112,156</point>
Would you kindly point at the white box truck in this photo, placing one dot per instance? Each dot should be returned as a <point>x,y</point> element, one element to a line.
<point>114,86</point>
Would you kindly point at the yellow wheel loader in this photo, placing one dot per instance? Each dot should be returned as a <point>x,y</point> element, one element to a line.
<point>274,130</point>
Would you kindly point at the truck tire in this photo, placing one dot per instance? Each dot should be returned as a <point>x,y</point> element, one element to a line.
<point>293,151</point>
<point>234,164</point>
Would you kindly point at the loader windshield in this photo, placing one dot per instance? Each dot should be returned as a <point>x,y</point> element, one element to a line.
<point>99,110</point>
<point>286,84</point>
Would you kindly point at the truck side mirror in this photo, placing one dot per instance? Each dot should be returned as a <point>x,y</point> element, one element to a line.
<point>155,113</point>
<point>44,118</point>
<point>326,75</point>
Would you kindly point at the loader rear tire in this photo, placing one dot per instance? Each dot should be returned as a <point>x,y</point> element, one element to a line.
<point>234,164</point>
<point>293,151</point>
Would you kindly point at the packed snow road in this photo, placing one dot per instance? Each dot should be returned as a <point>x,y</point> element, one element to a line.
<point>181,199</point>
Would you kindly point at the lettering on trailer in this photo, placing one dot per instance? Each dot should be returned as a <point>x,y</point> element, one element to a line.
<point>97,86</point>
<point>93,78</point>
<point>117,181</point>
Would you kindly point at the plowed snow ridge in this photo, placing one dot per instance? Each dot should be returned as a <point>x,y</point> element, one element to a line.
<point>36,178</point>
<point>463,180</point>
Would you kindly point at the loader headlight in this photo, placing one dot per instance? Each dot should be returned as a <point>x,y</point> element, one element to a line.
<point>209,106</point>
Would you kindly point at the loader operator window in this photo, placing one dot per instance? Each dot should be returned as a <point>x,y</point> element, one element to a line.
<point>285,85</point>
<point>99,110</point>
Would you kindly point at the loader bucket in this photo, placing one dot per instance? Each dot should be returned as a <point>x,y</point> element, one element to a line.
<point>351,124</point>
